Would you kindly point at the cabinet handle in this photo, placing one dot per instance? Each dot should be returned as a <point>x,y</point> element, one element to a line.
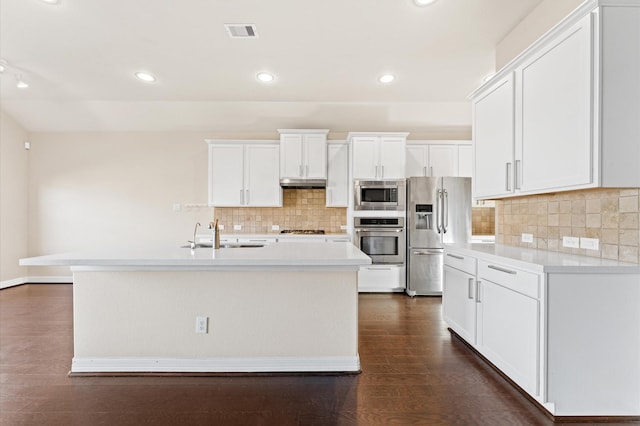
<point>300,170</point>
<point>424,171</point>
<point>382,171</point>
<point>506,179</point>
<point>431,171</point>
<point>247,196</point>
<point>470,289</point>
<point>517,171</point>
<point>506,271</point>
<point>455,256</point>
<point>478,284</point>
<point>241,196</point>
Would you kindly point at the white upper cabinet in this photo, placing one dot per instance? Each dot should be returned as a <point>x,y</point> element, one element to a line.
<point>465,160</point>
<point>337,192</point>
<point>303,154</point>
<point>378,155</point>
<point>563,115</point>
<point>244,174</point>
<point>493,133</point>
<point>436,158</point>
<point>555,98</point>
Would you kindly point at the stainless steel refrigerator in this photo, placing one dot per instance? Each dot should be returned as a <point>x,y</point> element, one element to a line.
<point>438,213</point>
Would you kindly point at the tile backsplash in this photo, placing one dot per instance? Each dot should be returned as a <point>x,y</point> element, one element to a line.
<point>611,215</point>
<point>483,221</point>
<point>301,209</point>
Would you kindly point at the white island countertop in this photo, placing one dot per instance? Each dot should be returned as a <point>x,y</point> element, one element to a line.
<point>544,260</point>
<point>280,256</point>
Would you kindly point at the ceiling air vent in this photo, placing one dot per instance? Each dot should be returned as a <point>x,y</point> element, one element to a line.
<point>241,30</point>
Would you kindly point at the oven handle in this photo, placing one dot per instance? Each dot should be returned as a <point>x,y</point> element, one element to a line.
<point>439,211</point>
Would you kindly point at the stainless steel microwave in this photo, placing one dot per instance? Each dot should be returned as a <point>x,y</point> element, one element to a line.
<point>379,194</point>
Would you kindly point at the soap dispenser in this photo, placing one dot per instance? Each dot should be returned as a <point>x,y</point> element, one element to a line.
<point>216,234</point>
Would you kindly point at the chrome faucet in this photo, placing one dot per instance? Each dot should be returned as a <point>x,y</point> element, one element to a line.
<point>192,244</point>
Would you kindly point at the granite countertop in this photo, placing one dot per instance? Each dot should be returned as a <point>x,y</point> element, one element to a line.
<point>282,255</point>
<point>543,260</point>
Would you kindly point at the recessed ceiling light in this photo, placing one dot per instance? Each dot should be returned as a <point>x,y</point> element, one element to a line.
<point>145,76</point>
<point>50,1</point>
<point>424,2</point>
<point>265,77</point>
<point>20,83</point>
<point>386,78</point>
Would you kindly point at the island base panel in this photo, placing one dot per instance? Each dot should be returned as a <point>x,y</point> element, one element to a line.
<point>257,321</point>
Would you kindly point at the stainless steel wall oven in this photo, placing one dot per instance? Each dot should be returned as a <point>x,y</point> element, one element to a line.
<point>381,238</point>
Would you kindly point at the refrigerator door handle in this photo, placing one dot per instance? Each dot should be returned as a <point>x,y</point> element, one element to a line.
<point>445,212</point>
<point>439,211</point>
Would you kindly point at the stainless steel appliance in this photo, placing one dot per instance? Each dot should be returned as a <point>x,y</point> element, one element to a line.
<point>381,238</point>
<point>379,195</point>
<point>438,213</point>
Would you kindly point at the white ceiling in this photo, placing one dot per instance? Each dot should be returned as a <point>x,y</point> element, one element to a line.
<point>79,58</point>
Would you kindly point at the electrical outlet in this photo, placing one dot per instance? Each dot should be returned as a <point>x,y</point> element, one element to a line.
<point>237,227</point>
<point>527,238</point>
<point>343,227</point>
<point>220,226</point>
<point>573,242</point>
<point>201,325</point>
<point>589,243</point>
<point>275,227</point>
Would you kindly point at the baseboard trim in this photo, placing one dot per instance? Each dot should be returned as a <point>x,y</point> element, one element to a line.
<point>54,279</point>
<point>216,365</point>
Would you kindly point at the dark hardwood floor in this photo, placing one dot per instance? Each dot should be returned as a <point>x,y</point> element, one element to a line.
<point>413,372</point>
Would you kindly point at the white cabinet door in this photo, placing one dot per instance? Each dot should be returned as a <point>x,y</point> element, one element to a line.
<point>315,156</point>
<point>508,333</point>
<point>493,138</point>
<point>262,176</point>
<point>443,160</point>
<point>465,161</point>
<point>303,155</point>
<point>392,158</point>
<point>366,152</point>
<point>337,192</point>
<point>226,175</point>
<point>291,156</point>
<point>417,160</point>
<point>557,124</point>
<point>459,303</point>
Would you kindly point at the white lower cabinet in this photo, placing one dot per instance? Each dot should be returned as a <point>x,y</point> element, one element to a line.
<point>564,328</point>
<point>459,295</point>
<point>381,278</point>
<point>497,311</point>
<point>508,324</point>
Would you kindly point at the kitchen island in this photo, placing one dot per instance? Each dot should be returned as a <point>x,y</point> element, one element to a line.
<point>287,307</point>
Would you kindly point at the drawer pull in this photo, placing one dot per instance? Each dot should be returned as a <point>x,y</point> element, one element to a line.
<point>470,289</point>
<point>455,256</point>
<point>506,271</point>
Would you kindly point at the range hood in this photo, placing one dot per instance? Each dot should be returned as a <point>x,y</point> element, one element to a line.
<point>303,183</point>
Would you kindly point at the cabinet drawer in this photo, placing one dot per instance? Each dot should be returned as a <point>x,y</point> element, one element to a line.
<point>462,262</point>
<point>523,282</point>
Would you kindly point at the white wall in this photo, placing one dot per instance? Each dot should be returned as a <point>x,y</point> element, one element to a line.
<point>13,201</point>
<point>540,20</point>
<point>93,190</point>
